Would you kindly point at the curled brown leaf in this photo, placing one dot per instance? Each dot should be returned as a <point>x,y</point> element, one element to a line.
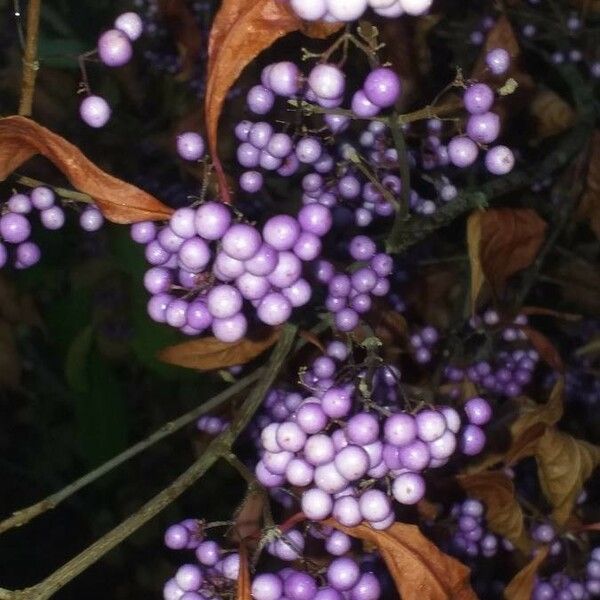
<point>546,349</point>
<point>420,570</point>
<point>206,354</point>
<point>241,30</point>
<point>503,511</point>
<point>521,585</point>
<point>120,202</point>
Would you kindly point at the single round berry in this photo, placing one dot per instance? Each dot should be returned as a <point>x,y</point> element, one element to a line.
<point>478,98</point>
<point>497,61</point>
<point>95,111</point>
<point>114,48</point>
<point>462,151</point>
<point>190,145</point>
<point>499,160</point>
<point>14,228</point>
<point>327,81</point>
<point>130,24</point>
<point>408,488</point>
<point>382,87</point>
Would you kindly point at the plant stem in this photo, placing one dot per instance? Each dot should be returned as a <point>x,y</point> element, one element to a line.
<point>30,62</point>
<point>220,447</point>
<point>25,515</point>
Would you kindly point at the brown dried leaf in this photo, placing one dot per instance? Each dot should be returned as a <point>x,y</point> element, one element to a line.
<point>311,338</point>
<point>545,347</point>
<point>120,202</point>
<point>521,585</point>
<point>589,208</point>
<point>244,583</point>
<point>473,246</point>
<point>503,512</point>
<point>564,465</point>
<point>181,23</point>
<point>420,570</point>
<point>510,241</point>
<point>553,114</point>
<point>241,30</point>
<point>206,354</point>
<point>249,516</point>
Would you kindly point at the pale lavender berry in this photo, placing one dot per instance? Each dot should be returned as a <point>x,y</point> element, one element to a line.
<point>337,402</point>
<point>472,440</point>
<point>400,429</point>
<point>114,48</point>
<point>91,219</point>
<point>497,61</point>
<point>274,309</point>
<point>231,329</point>
<point>290,436</point>
<point>415,456</point>
<point>343,573</point>
<point>431,425</point>
<point>194,255</point>
<point>310,11</point>
<point>251,286</point>
<point>158,280</point>
<point>329,479</point>
<point>483,128</point>
<point>226,268</point>
<point>308,150</point>
<point>499,160</point>
<point>299,472</point>
<point>248,155</point>
<point>169,240</point>
<point>382,264</point>
<point>341,10</point>
<point>362,248</point>
<point>280,145</point>
<point>347,511</point>
<point>366,588</point>
<point>260,100</point>
<point>182,222</point>
<point>277,462</point>
<point>315,218</point>
<point>53,218</point>
<point>299,293</point>
<point>362,428</point>
<point>177,537</point>
<point>478,98</point>
<point>27,255</point>
<point>462,151</point>
<point>267,586</point>
<point>308,246</point>
<point>374,505</point>
<point>260,134</point>
<point>14,228</point>
<point>130,24</point>
<point>327,81</point>
<point>382,87</point>
<point>176,313</point>
<point>190,145</point>
<point>337,123</point>
<point>352,462</point>
<point>224,301</point>
<point>189,577</point>
<point>316,504</point>
<point>3,255</point>
<point>19,203</point>
<point>444,447</point>
<point>198,316</point>
<point>287,271</point>
<point>241,241</point>
<point>299,586</point>
<point>281,232</point>
<point>311,418</point>
<point>143,232</point>
<point>263,262</point>
<point>408,488</point>
<point>284,78</point>
<point>338,543</point>
<point>346,319</point>
<point>362,107</point>
<point>363,280</point>
<point>478,411</point>
<point>95,111</point>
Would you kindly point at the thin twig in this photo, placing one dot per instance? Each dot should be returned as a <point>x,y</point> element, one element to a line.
<point>30,62</point>
<point>60,191</point>
<point>25,515</point>
<point>218,448</point>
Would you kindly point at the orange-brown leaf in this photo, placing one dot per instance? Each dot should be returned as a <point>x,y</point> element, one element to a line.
<point>242,29</point>
<point>311,338</point>
<point>243,583</point>
<point>206,354</point>
<point>420,570</point>
<point>553,114</point>
<point>510,241</point>
<point>548,312</point>
<point>503,512</point>
<point>473,247</point>
<point>521,586</point>
<point>120,202</point>
<point>249,515</point>
<point>564,465</point>
<point>589,207</point>
<point>546,349</point>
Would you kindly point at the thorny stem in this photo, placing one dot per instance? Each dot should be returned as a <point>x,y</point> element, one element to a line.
<point>30,62</point>
<point>220,447</point>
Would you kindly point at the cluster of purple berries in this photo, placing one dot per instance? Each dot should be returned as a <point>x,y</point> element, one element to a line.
<point>340,447</point>
<point>114,50</point>
<point>206,264</point>
<point>423,342</point>
<point>482,129</point>
<point>560,586</point>
<point>352,10</point>
<point>15,226</point>
<point>510,370</point>
<point>215,572</point>
<point>471,538</point>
